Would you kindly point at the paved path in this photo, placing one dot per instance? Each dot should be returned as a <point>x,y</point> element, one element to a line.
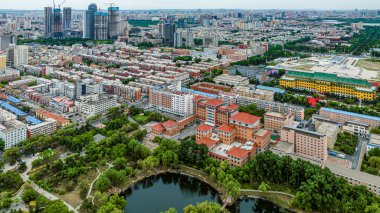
<point>48,195</point>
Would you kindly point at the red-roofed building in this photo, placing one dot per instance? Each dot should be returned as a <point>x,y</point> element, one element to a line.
<point>239,156</point>
<point>245,124</point>
<point>208,142</point>
<point>171,127</point>
<point>226,133</point>
<point>213,111</point>
<point>158,129</point>
<point>203,131</point>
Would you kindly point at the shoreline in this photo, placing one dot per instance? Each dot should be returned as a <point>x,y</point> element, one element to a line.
<point>275,197</point>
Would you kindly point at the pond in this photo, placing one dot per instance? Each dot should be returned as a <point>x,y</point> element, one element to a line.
<point>161,192</point>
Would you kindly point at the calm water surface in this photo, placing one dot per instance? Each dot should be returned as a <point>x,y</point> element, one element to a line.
<point>161,192</point>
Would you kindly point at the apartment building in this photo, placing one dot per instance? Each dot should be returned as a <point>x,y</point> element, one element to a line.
<point>270,106</point>
<point>329,83</point>
<point>342,117</point>
<point>174,102</point>
<point>12,133</point>
<point>9,74</point>
<point>210,88</point>
<point>48,127</point>
<point>128,92</point>
<point>275,121</point>
<point>95,104</point>
<point>232,80</point>
<point>214,111</point>
<point>44,114</point>
<point>312,145</point>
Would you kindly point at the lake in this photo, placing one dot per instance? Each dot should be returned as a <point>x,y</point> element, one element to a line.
<point>161,192</point>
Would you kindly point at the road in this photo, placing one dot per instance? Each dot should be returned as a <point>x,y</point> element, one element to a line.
<point>25,177</point>
<point>362,149</point>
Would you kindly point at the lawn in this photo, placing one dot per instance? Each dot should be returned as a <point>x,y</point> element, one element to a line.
<point>369,64</point>
<point>305,67</point>
<point>346,143</point>
<point>141,119</point>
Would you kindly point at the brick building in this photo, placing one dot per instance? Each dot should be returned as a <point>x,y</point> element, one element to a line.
<point>275,121</point>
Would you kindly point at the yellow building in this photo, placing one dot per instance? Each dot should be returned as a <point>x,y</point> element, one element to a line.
<point>3,61</point>
<point>329,83</point>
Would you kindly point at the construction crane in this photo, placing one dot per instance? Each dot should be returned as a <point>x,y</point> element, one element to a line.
<point>111,4</point>
<point>59,6</point>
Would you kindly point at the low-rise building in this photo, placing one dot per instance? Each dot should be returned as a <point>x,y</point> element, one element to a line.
<point>95,104</point>
<point>271,106</point>
<point>44,114</point>
<point>374,142</point>
<point>275,121</point>
<point>48,127</point>
<point>231,80</point>
<point>342,117</point>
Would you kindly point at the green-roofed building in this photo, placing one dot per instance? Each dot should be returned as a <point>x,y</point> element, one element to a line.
<point>329,83</point>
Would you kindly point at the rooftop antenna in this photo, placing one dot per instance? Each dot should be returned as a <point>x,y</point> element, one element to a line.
<point>53,3</point>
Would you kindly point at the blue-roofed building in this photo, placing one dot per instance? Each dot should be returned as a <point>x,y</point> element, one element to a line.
<point>33,120</point>
<point>342,117</point>
<point>13,99</point>
<point>273,89</point>
<point>12,109</point>
<point>204,94</point>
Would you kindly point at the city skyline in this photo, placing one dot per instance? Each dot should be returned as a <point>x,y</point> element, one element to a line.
<point>172,4</point>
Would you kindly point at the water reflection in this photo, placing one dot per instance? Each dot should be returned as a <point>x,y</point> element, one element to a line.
<point>161,192</point>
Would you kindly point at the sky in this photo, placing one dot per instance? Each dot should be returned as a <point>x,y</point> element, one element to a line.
<point>202,4</point>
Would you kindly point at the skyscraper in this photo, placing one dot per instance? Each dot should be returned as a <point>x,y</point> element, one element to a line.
<point>21,55</point>
<point>113,20</point>
<point>178,39</point>
<point>167,31</point>
<point>101,27</point>
<point>89,26</point>
<point>57,23</point>
<point>67,18</point>
<point>48,21</point>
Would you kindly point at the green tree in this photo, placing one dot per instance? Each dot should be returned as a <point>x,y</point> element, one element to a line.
<point>56,206</point>
<point>29,195</point>
<point>204,207</point>
<point>11,155</point>
<point>264,187</point>
<point>2,145</point>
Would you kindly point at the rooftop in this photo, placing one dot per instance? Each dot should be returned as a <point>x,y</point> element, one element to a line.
<point>226,128</point>
<point>244,117</point>
<point>169,123</point>
<point>237,152</point>
<point>351,113</point>
<point>203,128</point>
<point>207,141</point>
<point>327,77</point>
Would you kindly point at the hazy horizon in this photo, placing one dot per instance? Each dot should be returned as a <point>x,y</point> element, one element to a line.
<point>199,4</point>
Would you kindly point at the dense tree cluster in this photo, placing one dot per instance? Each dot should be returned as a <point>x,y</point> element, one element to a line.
<point>346,143</point>
<point>371,162</point>
<point>61,42</point>
<point>317,189</point>
<point>103,203</point>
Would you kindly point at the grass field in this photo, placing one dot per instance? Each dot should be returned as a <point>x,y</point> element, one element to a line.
<point>305,67</point>
<point>141,119</point>
<point>369,64</point>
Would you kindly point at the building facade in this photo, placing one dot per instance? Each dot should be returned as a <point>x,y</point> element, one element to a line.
<point>308,144</point>
<point>275,121</point>
<point>342,117</point>
<point>329,83</point>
